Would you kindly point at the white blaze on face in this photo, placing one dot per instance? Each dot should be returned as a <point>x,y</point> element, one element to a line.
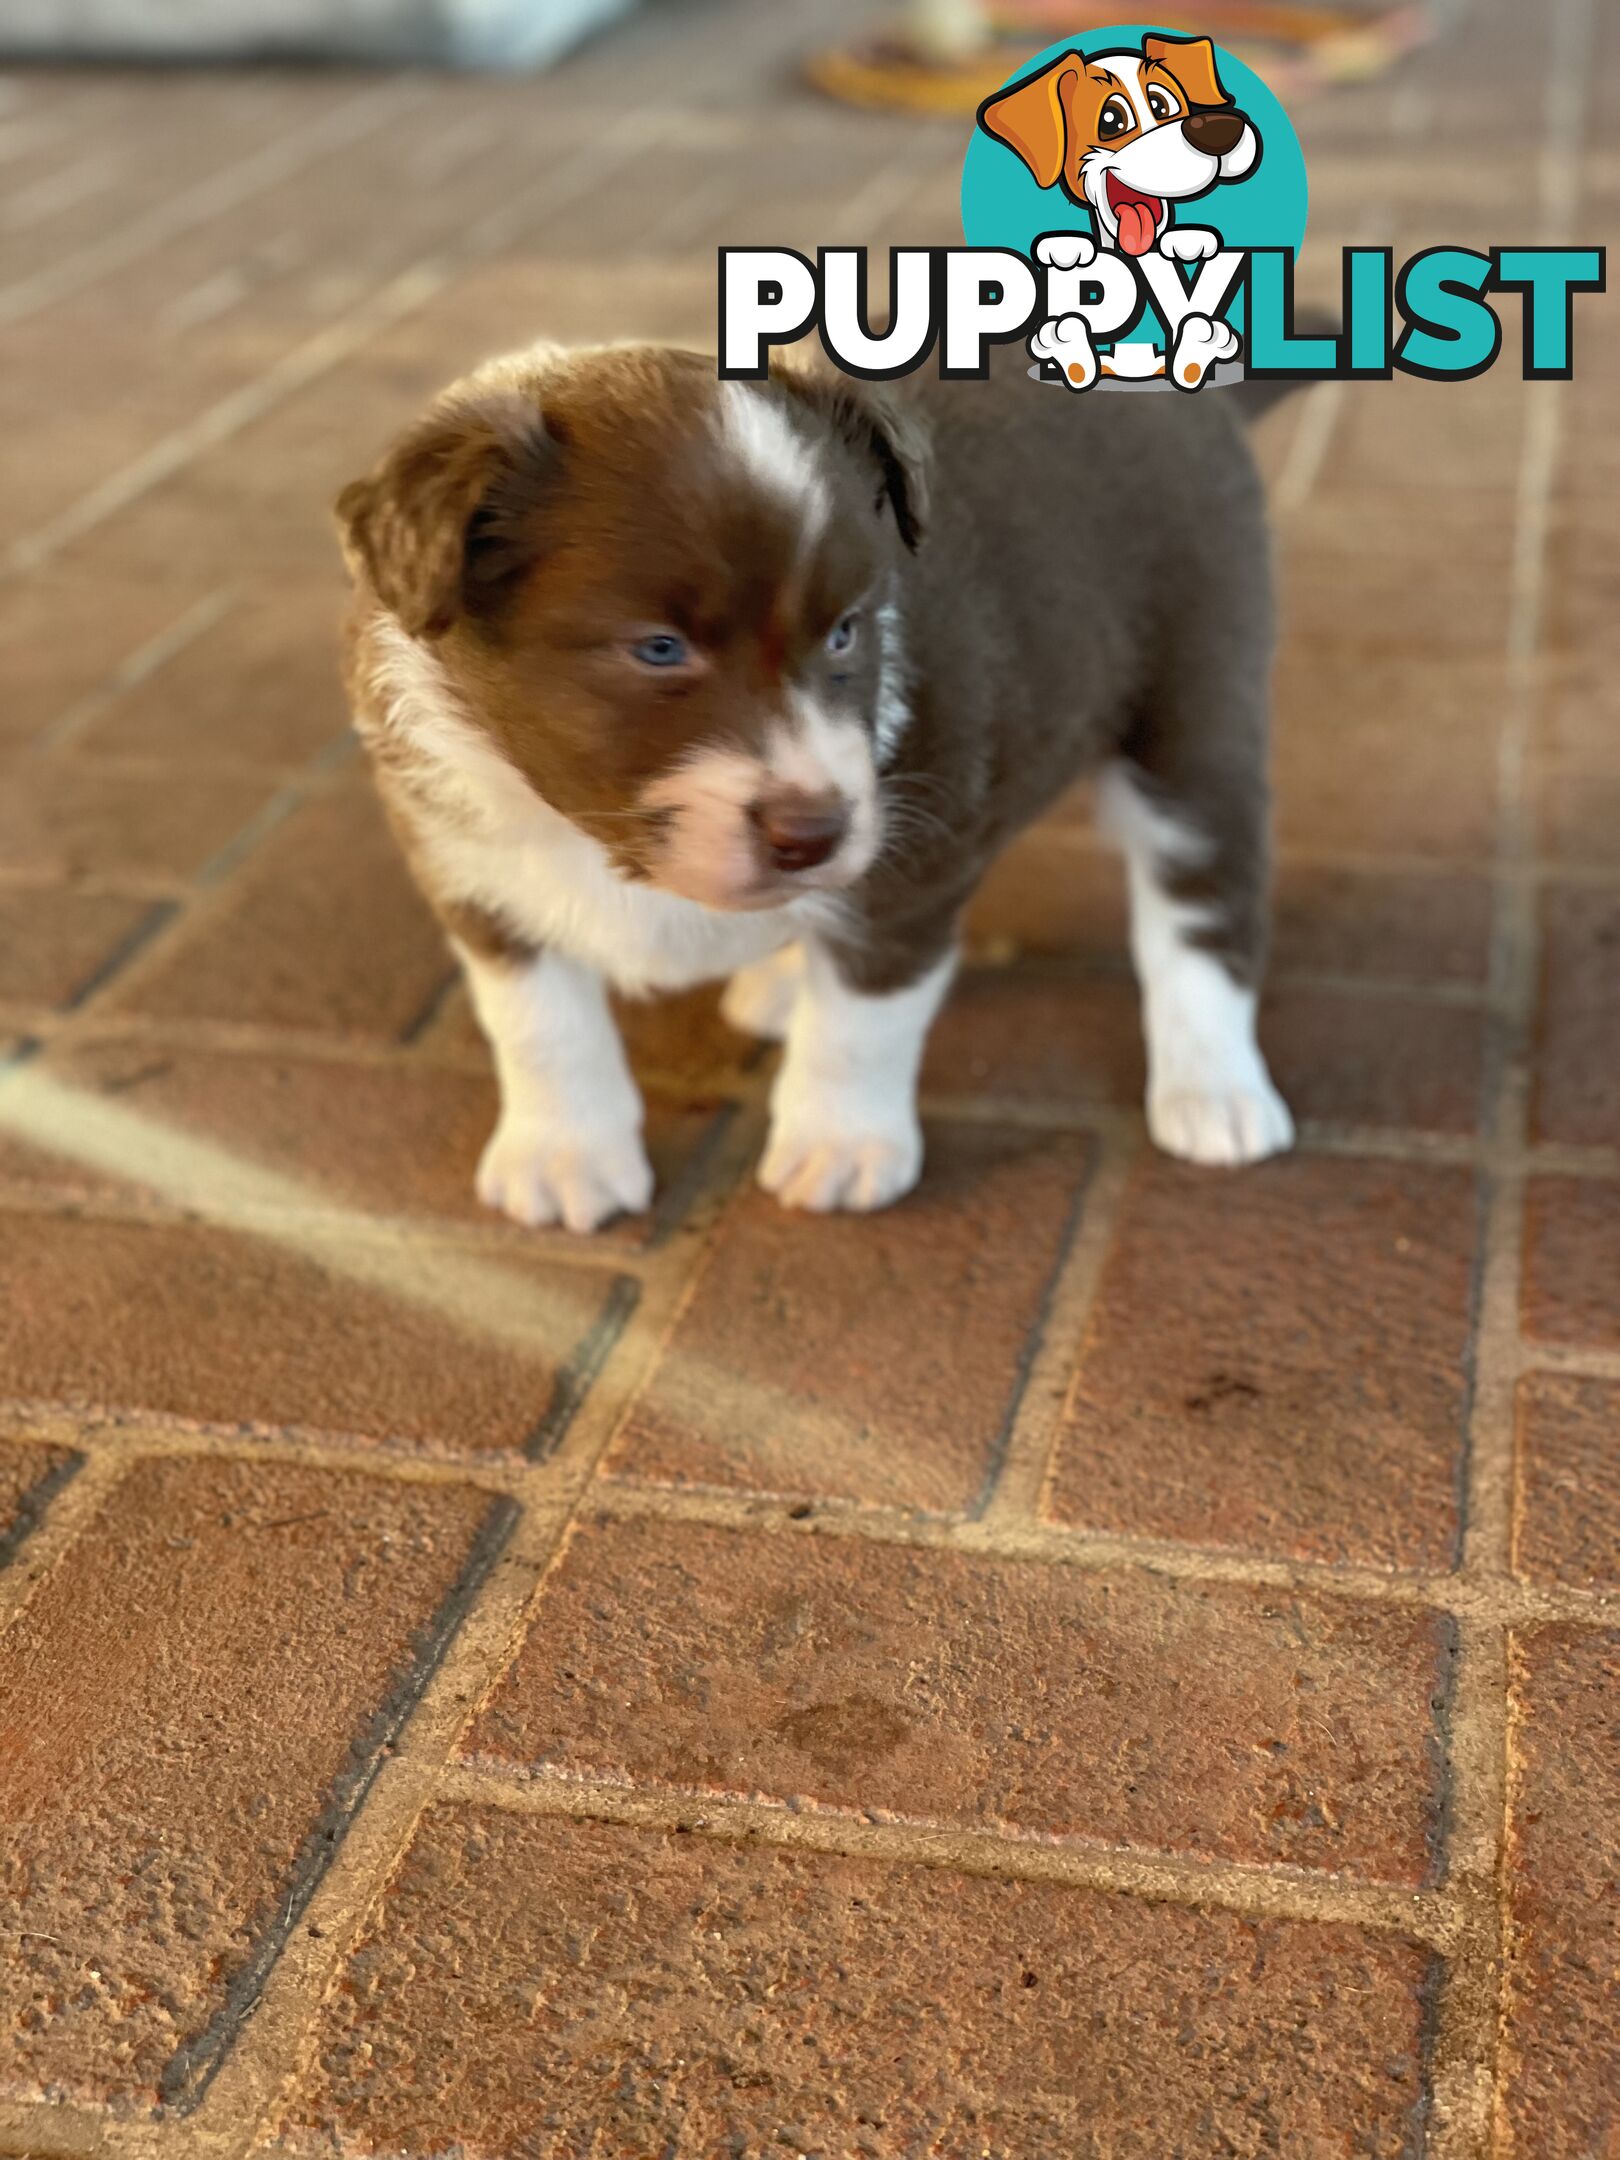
<point>707,852</point>
<point>710,848</point>
<point>710,851</point>
<point>757,435</point>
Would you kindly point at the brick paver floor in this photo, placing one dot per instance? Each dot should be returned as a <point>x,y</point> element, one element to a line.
<point>1105,1662</point>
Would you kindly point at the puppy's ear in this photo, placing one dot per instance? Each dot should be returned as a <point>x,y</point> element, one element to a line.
<point>880,428</point>
<point>1032,116</point>
<point>1192,62</point>
<point>438,525</point>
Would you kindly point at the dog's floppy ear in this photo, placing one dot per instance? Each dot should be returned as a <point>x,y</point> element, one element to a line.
<point>879,427</point>
<point>1192,62</point>
<point>438,524</point>
<point>1032,116</point>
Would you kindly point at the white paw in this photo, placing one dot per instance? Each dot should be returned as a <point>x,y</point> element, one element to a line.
<point>1228,1125</point>
<point>581,1180</point>
<point>1066,340</point>
<point>1200,342</point>
<point>812,1168</point>
<point>759,1000</point>
<point>1066,250</point>
<point>1189,243</point>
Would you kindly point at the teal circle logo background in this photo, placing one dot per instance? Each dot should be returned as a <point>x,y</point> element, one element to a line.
<point>1003,207</point>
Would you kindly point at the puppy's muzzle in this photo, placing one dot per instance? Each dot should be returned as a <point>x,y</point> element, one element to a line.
<point>798,830</point>
<point>1215,133</point>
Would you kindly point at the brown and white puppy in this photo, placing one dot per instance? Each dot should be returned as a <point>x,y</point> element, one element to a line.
<point>1128,135</point>
<point>667,679</point>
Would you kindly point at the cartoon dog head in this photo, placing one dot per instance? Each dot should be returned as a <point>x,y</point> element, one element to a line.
<point>1127,134</point>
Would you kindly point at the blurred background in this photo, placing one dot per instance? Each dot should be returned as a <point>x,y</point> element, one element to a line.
<point>242,1097</point>
<point>240,243</point>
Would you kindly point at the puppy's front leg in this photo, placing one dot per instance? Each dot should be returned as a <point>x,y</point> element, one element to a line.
<point>844,1127</point>
<point>568,1145</point>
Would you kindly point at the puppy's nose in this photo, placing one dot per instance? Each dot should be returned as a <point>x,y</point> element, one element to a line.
<point>1214,132</point>
<point>800,830</point>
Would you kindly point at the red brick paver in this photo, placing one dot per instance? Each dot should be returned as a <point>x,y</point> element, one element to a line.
<point>29,1475</point>
<point>1567,1526</point>
<point>878,1359</point>
<point>1563,2025</point>
<point>324,932</point>
<point>1572,1262</point>
<point>451,1352</point>
<point>394,1140</point>
<point>55,943</point>
<point>1126,1708</point>
<point>670,1986</point>
<point>1580,1032</point>
<point>1276,1363</point>
<point>225,1714</point>
<point>1103,1662</point>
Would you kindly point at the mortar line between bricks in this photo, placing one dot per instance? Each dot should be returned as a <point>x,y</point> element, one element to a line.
<point>1083,838</point>
<point>1257,1891</point>
<point>156,765</point>
<point>116,1437</point>
<point>208,891</point>
<point>192,903</point>
<point>1580,1364</point>
<point>1468,2038</point>
<point>1364,1143</point>
<point>1324,403</point>
<point>1021,1477</point>
<point>119,884</point>
<point>138,667</point>
<point>193,2067</point>
<point>328,1225</point>
<point>269,2052</point>
<point>225,189</point>
<point>72,1507</point>
<point>64,1027</point>
<point>72,2130</point>
<point>1489,1602</point>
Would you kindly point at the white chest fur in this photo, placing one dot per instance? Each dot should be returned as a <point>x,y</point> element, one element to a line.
<point>489,840</point>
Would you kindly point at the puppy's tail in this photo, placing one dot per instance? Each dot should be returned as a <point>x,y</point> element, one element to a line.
<point>1255,398</point>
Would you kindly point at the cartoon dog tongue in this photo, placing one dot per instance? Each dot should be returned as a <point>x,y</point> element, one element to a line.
<point>1137,224</point>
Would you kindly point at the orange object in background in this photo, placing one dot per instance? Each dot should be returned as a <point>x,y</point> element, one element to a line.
<point>946,56</point>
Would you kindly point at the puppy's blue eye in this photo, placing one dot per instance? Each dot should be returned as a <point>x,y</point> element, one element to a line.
<point>841,637</point>
<point>662,649</point>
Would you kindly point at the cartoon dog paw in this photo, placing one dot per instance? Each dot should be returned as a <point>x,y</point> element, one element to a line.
<point>1066,341</point>
<point>1189,243</point>
<point>1200,342</point>
<point>1066,250</point>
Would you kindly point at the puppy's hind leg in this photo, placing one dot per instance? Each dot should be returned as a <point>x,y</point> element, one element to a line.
<point>1195,861</point>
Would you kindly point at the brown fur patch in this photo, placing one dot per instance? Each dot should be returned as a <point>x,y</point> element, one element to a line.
<point>1042,633</point>
<point>436,513</point>
<point>640,527</point>
<point>485,932</point>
